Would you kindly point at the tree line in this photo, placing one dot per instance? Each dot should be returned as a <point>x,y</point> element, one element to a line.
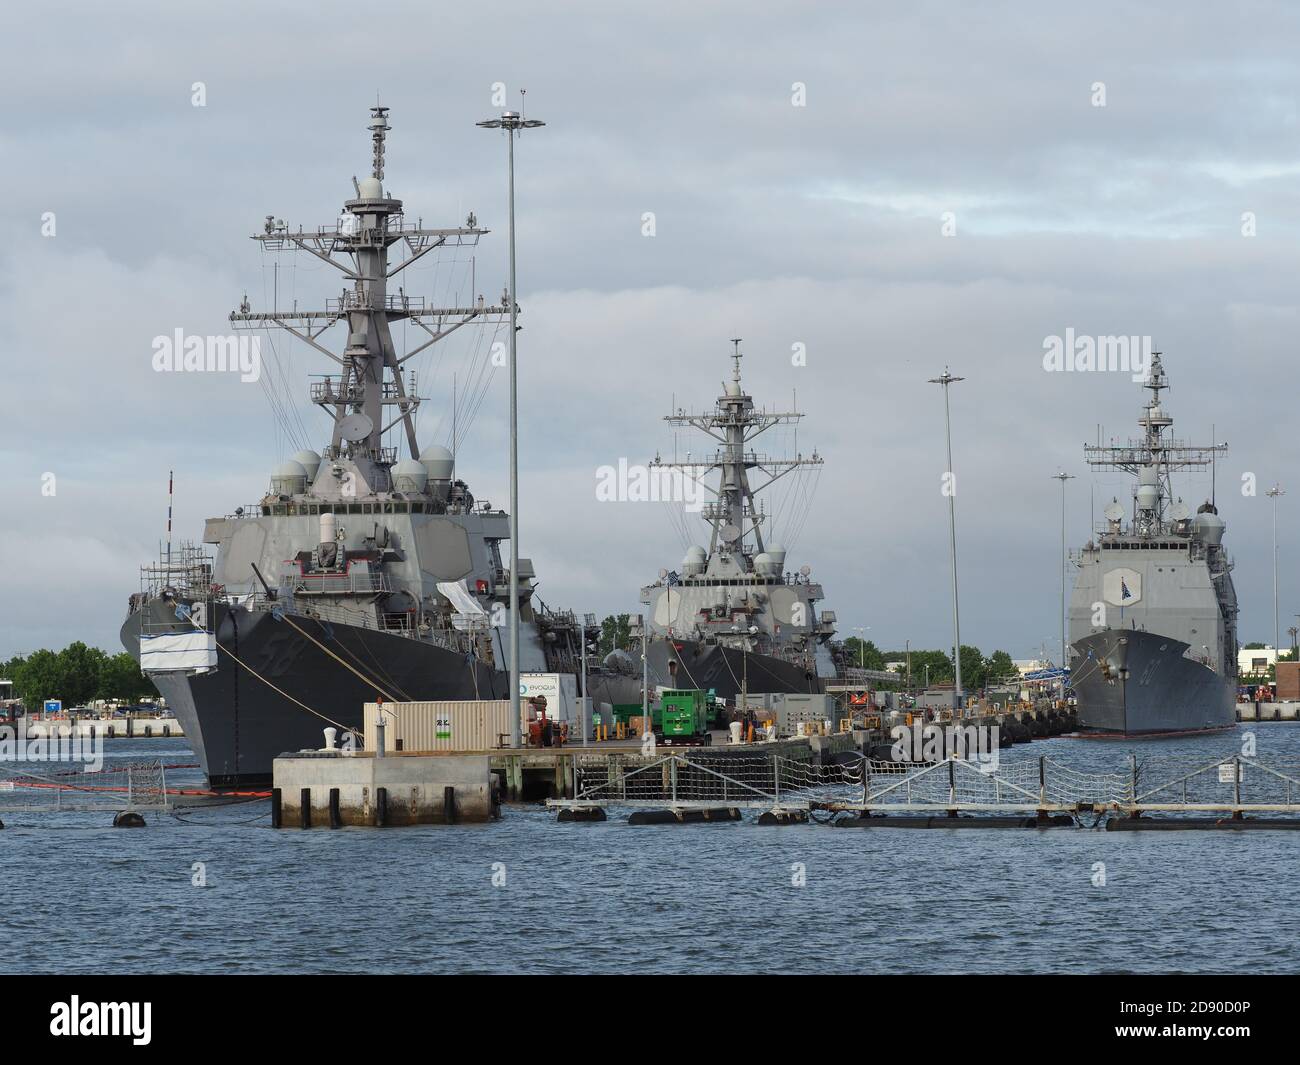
<point>977,671</point>
<point>77,675</point>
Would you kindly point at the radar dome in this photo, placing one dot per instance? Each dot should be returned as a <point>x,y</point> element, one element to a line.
<point>777,553</point>
<point>289,478</point>
<point>1209,527</point>
<point>438,461</point>
<point>410,477</point>
<point>695,561</point>
<point>310,462</point>
<point>764,566</point>
<point>618,661</point>
<point>371,189</point>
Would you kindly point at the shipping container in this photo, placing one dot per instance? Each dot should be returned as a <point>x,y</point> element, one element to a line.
<point>442,725</point>
<point>1288,680</point>
<point>796,708</point>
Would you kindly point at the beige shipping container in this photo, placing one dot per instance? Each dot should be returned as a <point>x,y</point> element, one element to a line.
<point>442,725</point>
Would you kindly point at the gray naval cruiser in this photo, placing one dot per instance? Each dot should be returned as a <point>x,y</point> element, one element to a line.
<point>732,617</point>
<point>1153,617</point>
<point>358,575</point>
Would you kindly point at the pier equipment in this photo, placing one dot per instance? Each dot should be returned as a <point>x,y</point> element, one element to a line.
<point>687,716</point>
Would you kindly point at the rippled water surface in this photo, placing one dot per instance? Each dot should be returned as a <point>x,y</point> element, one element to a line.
<point>612,898</point>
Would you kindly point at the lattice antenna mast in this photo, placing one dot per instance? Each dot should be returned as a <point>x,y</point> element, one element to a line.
<point>733,516</point>
<point>1154,457</point>
<point>370,383</point>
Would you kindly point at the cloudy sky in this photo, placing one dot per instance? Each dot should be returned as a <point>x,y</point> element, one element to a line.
<point>954,184</point>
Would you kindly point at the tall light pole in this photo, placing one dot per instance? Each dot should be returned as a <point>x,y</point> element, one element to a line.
<point>1063,477</point>
<point>512,122</point>
<point>588,621</point>
<point>1273,493</point>
<point>950,487</point>
<point>862,646</point>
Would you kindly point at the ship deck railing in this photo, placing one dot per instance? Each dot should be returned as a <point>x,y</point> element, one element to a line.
<point>342,584</point>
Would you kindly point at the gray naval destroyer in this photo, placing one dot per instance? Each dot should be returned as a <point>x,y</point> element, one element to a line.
<point>733,618</point>
<point>358,574</point>
<point>1153,617</point>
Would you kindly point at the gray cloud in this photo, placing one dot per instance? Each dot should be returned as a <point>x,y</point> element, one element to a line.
<point>818,225</point>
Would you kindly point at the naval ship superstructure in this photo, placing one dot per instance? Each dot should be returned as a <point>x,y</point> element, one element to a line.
<point>358,575</point>
<point>733,618</point>
<point>1153,617</point>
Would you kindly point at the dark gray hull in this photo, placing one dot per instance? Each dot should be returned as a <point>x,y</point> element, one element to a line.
<point>692,664</point>
<point>237,722</point>
<point>1136,683</point>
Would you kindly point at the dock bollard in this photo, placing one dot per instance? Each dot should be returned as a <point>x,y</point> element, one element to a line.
<point>276,811</point>
<point>304,808</point>
<point>335,820</point>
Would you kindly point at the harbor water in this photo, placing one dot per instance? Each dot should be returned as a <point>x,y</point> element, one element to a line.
<point>215,889</point>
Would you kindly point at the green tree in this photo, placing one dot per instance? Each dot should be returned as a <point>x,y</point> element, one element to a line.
<point>863,653</point>
<point>38,678</point>
<point>973,668</point>
<point>80,667</point>
<point>1000,668</point>
<point>121,679</point>
<point>615,633</point>
<point>940,666</point>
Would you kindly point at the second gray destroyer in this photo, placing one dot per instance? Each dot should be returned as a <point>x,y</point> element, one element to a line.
<point>1153,618</point>
<point>733,618</point>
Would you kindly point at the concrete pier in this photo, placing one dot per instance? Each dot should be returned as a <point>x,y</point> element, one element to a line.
<point>318,789</point>
<point>106,727</point>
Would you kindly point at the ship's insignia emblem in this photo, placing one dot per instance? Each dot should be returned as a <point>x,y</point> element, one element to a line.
<point>1122,586</point>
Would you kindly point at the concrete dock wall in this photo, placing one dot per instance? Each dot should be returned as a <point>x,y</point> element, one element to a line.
<point>109,728</point>
<point>399,789</point>
<point>1284,711</point>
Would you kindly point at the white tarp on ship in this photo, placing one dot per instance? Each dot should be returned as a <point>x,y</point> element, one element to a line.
<point>469,612</point>
<point>169,652</point>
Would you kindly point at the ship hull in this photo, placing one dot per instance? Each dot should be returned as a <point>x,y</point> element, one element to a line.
<point>237,721</point>
<point>677,663</point>
<point>693,664</point>
<point>1136,683</point>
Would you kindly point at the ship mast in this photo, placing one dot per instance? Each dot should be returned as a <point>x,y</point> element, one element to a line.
<point>734,422</point>
<point>370,381</point>
<point>1152,458</point>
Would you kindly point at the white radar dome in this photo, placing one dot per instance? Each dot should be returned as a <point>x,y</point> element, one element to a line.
<point>289,478</point>
<point>438,461</point>
<point>410,477</point>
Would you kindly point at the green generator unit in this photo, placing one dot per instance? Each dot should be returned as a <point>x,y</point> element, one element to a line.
<point>686,717</point>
